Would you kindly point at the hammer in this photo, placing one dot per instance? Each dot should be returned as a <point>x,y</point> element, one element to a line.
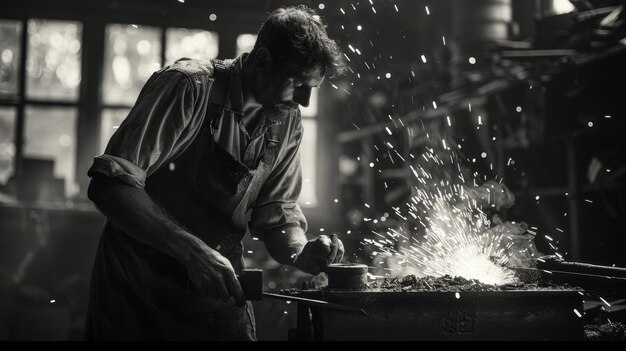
<point>251,281</point>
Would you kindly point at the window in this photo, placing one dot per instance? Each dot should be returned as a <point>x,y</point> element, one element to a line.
<point>50,133</point>
<point>111,120</point>
<point>562,6</point>
<point>197,44</point>
<point>7,143</point>
<point>308,157</point>
<point>49,104</point>
<point>10,33</point>
<point>53,62</point>
<point>131,54</point>
<point>245,43</point>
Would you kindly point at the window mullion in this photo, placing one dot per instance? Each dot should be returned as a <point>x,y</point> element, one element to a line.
<point>19,125</point>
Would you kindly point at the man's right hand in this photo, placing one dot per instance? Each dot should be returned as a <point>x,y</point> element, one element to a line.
<point>212,273</point>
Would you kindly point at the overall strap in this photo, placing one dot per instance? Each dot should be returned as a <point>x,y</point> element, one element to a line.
<point>219,92</point>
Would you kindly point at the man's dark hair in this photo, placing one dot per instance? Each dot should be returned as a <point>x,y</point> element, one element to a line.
<point>297,34</point>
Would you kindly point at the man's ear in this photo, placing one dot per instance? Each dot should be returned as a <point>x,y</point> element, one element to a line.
<point>263,60</point>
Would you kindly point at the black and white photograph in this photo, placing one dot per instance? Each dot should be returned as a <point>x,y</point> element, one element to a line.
<point>312,170</point>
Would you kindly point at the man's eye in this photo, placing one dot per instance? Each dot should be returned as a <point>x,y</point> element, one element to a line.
<point>297,84</point>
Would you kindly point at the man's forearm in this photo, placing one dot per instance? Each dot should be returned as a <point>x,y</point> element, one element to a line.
<point>285,244</point>
<point>133,211</point>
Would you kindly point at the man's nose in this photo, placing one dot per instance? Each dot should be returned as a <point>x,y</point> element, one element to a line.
<point>302,96</point>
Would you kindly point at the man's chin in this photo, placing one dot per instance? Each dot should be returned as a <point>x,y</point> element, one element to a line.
<point>283,108</point>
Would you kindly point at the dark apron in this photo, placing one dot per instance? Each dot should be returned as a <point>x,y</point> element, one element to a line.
<point>139,292</point>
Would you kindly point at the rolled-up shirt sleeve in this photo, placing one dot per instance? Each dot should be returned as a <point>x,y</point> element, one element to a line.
<point>151,133</point>
<point>277,204</point>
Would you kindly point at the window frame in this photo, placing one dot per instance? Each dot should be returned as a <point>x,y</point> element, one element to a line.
<point>20,101</point>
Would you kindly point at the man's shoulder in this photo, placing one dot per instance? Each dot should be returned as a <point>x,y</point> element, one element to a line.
<point>191,67</point>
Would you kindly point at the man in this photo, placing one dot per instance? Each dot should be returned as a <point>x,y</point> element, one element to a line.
<point>205,143</point>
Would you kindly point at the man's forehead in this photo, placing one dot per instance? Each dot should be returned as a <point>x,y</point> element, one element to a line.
<point>305,73</point>
<point>311,76</point>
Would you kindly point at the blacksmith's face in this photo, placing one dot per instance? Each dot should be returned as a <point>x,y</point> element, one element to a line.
<point>291,85</point>
<point>285,86</point>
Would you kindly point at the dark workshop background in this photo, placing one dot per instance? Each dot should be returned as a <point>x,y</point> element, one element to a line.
<point>546,78</point>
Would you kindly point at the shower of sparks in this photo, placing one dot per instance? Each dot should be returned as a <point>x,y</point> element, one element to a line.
<point>448,233</point>
<point>455,241</point>
<point>606,303</point>
<point>578,313</point>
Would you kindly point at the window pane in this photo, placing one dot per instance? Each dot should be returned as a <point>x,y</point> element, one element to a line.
<point>562,6</point>
<point>131,54</point>
<point>311,110</point>
<point>111,119</point>
<point>53,59</point>
<point>10,32</point>
<point>51,134</point>
<point>308,154</point>
<point>245,43</point>
<point>198,44</point>
<point>7,143</point>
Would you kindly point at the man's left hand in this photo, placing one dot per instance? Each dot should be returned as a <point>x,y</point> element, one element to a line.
<point>318,253</point>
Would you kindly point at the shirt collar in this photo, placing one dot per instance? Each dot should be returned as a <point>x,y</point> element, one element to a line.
<point>234,102</point>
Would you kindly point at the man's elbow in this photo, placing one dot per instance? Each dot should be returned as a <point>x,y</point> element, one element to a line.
<point>95,189</point>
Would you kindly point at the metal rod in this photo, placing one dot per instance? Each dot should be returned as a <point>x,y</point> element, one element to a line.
<point>571,273</point>
<point>317,303</point>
